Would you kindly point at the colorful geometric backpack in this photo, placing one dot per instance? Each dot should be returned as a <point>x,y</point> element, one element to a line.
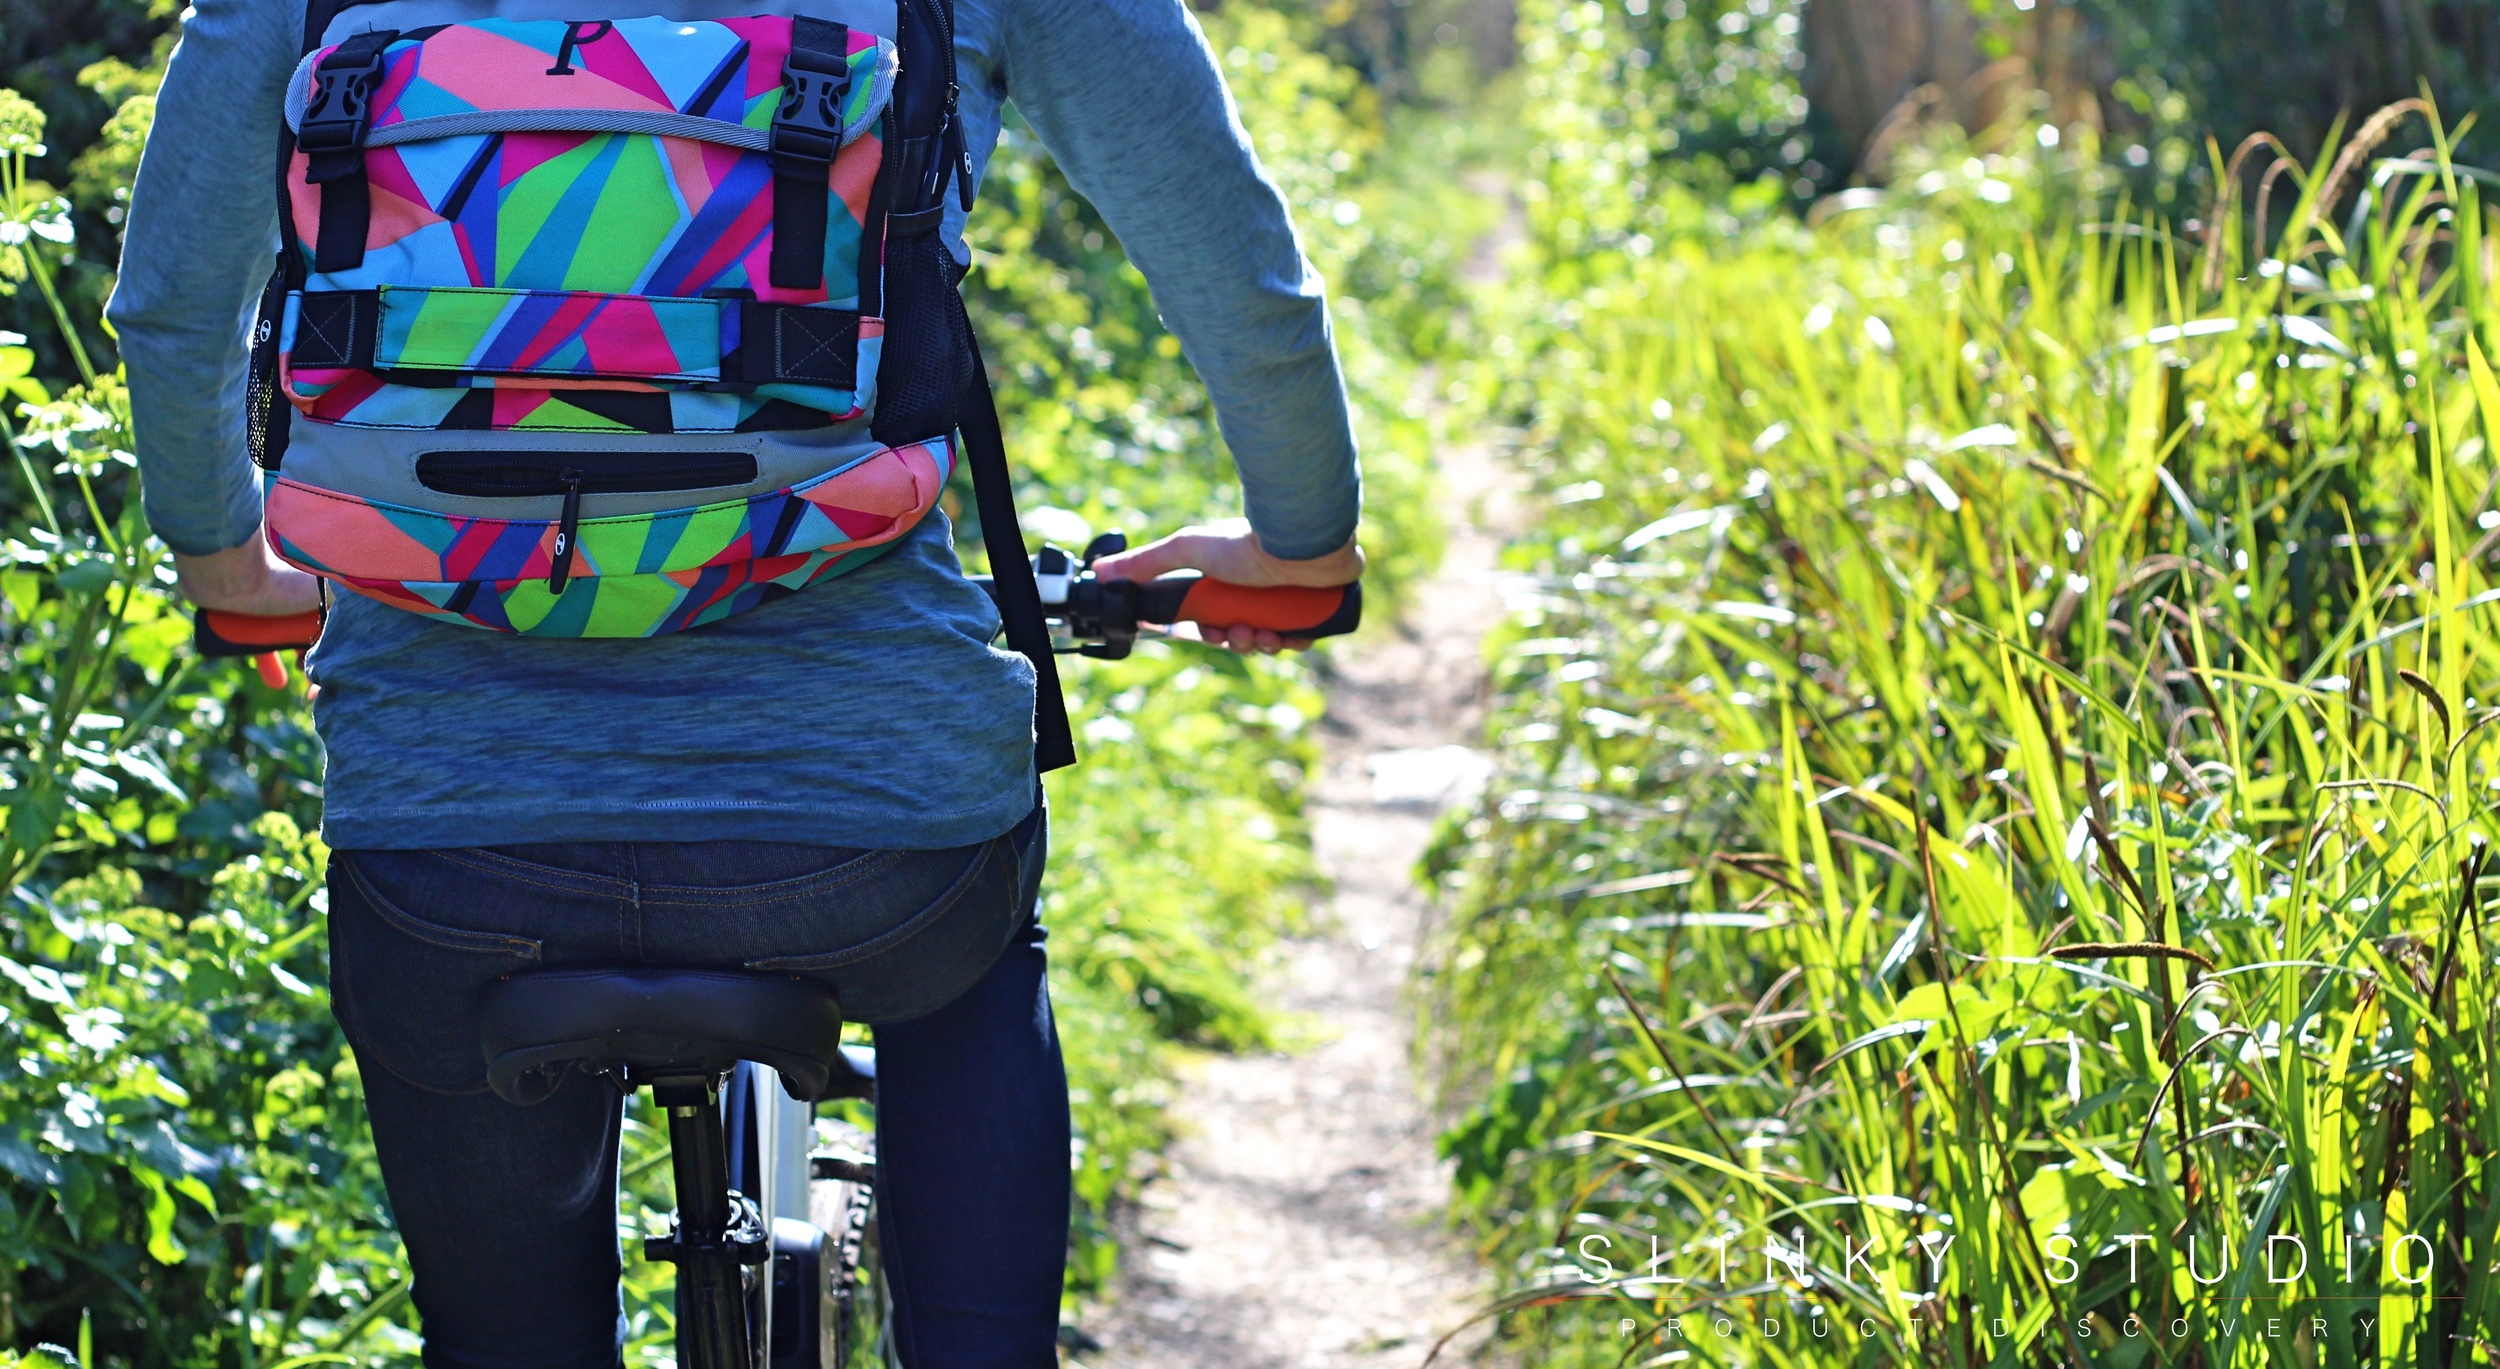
<point>614,326</point>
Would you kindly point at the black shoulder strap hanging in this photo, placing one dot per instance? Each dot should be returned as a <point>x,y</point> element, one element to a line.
<point>319,15</point>
<point>807,132</point>
<point>929,337</point>
<point>1019,599</point>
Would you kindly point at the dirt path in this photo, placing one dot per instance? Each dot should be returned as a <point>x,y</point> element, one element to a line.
<point>1297,1224</point>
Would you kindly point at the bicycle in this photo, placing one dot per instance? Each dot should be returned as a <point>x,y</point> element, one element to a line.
<point>773,1236</point>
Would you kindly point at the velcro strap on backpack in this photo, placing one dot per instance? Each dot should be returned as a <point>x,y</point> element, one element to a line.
<point>806,133</point>
<point>724,342</point>
<point>337,117</point>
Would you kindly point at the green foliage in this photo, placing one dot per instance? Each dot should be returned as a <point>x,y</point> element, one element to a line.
<point>79,64</point>
<point>1629,112</point>
<point>186,1121</point>
<point>1712,84</point>
<point>1178,852</point>
<point>184,1174</point>
<point>1995,749</point>
<point>182,1139</point>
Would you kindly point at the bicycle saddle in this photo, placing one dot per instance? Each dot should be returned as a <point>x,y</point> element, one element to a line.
<point>644,1024</point>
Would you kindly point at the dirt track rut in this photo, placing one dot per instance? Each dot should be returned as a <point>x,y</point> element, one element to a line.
<point>1297,1223</point>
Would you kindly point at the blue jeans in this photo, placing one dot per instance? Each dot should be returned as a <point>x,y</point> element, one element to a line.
<point>509,1213</point>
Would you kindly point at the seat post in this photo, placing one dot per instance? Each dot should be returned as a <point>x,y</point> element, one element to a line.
<point>698,1150</point>
<point>716,1236</point>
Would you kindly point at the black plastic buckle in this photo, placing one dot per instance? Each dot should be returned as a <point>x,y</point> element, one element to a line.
<point>807,128</point>
<point>339,115</point>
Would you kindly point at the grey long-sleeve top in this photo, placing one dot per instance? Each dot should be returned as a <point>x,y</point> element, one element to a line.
<point>869,711</point>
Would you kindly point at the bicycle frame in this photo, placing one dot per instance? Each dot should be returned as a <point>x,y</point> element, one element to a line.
<point>769,1138</point>
<point>740,1163</point>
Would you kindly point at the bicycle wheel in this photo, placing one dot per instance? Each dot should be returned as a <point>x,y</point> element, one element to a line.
<point>842,1202</point>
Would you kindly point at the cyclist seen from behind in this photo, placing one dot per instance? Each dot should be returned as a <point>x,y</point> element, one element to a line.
<point>603,390</point>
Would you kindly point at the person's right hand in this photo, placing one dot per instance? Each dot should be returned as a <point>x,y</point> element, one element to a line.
<point>1230,551</point>
<point>247,579</point>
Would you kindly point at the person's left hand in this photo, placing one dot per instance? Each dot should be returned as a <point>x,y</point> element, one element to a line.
<point>247,579</point>
<point>1230,551</point>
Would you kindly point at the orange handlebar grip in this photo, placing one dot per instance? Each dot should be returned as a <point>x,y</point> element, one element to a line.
<point>252,629</point>
<point>1293,610</point>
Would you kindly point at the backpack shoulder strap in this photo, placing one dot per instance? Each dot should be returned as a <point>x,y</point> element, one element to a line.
<point>1020,609</point>
<point>319,15</point>
<point>930,336</point>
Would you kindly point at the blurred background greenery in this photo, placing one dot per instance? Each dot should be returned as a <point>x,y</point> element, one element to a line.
<point>1816,318</point>
<point>1990,735</point>
<point>183,1174</point>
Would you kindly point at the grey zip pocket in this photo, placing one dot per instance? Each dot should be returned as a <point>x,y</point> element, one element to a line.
<point>526,475</point>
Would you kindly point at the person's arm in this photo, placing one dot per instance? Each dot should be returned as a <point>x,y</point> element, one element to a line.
<point>1127,97</point>
<point>201,238</point>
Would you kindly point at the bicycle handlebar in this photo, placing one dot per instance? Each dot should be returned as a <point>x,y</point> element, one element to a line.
<point>217,634</point>
<point>1101,616</point>
<point>1291,610</point>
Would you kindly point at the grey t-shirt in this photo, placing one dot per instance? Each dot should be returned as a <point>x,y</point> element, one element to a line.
<point>871,710</point>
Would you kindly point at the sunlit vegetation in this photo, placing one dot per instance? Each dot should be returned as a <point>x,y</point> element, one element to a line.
<point>184,1173</point>
<point>1993,763</point>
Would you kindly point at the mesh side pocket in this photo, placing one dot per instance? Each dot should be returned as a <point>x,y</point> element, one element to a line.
<point>265,412</point>
<point>927,357</point>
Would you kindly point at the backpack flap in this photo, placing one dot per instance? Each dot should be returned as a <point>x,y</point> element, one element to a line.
<point>563,212</point>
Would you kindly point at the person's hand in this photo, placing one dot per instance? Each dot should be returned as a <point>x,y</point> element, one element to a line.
<point>247,579</point>
<point>1230,551</point>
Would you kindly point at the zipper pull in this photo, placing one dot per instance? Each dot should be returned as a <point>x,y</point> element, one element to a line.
<point>962,155</point>
<point>568,530</point>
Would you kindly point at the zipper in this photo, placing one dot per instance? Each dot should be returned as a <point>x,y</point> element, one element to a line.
<point>962,157</point>
<point>535,475</point>
<point>944,22</point>
<point>523,475</point>
<point>568,528</point>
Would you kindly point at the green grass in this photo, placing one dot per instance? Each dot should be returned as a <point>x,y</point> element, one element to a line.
<point>184,1174</point>
<point>1993,745</point>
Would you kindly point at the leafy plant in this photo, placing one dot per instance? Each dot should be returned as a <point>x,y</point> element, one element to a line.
<point>184,1175</point>
<point>1994,765</point>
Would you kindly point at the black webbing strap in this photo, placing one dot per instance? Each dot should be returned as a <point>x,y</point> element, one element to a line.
<point>337,329</point>
<point>336,119</point>
<point>918,167</point>
<point>807,132</point>
<point>1019,599</point>
<point>761,344</point>
<point>793,344</point>
<point>917,222</point>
